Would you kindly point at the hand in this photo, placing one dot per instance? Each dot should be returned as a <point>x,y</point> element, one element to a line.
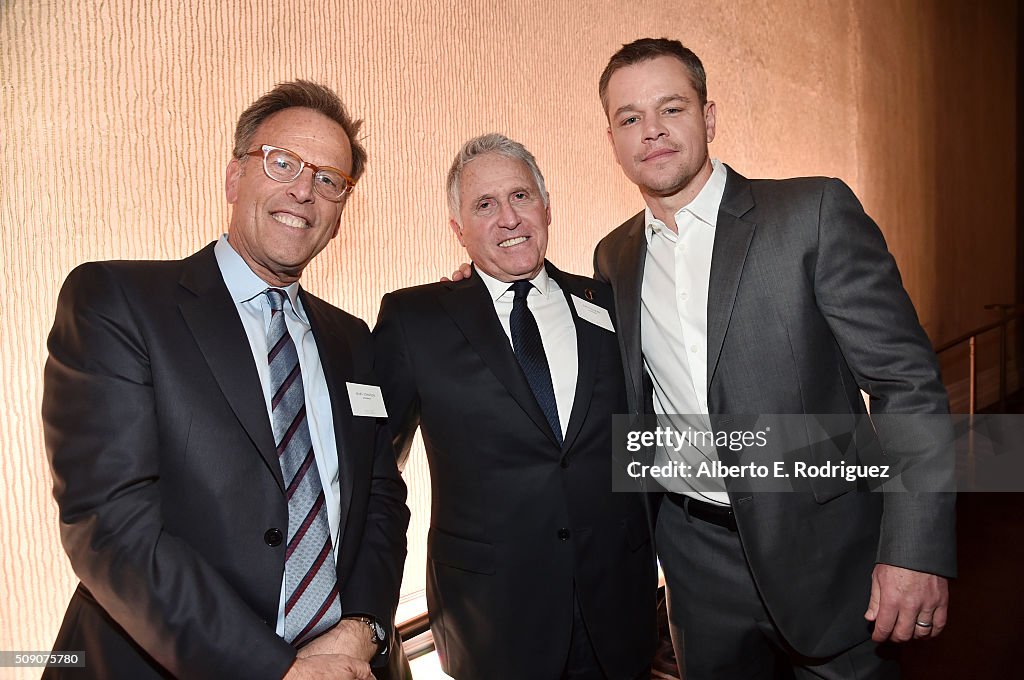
<point>901,599</point>
<point>328,667</point>
<point>463,272</point>
<point>349,637</point>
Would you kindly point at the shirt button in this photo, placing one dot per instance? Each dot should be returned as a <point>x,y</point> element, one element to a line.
<point>563,534</point>
<point>273,537</point>
<point>693,348</point>
<point>684,295</point>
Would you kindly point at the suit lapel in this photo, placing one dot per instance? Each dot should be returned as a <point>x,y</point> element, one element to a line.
<point>630,277</point>
<point>732,239</point>
<point>213,320</point>
<point>471,308</point>
<point>336,357</point>
<point>588,344</point>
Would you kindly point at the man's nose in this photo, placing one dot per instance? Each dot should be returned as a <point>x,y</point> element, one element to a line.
<point>653,128</point>
<point>301,187</point>
<point>507,216</point>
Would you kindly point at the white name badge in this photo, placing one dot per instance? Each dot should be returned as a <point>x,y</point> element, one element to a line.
<point>596,315</point>
<point>366,400</point>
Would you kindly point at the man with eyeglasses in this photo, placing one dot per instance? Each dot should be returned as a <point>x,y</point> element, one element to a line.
<point>230,510</point>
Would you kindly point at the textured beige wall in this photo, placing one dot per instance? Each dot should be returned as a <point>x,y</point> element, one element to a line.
<point>115,121</point>
<point>936,158</point>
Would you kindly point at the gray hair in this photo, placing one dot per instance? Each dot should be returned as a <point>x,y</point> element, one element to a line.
<point>485,144</point>
<point>301,94</point>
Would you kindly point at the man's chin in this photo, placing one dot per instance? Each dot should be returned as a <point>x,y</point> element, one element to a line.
<point>665,187</point>
<point>508,272</point>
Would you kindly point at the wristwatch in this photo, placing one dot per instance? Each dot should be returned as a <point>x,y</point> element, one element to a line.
<point>377,634</point>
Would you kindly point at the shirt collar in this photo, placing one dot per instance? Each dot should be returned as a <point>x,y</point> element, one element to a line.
<point>498,288</point>
<point>242,282</point>
<point>704,205</point>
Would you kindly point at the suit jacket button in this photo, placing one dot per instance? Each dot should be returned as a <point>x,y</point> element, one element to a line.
<point>565,462</point>
<point>273,537</point>
<point>563,534</point>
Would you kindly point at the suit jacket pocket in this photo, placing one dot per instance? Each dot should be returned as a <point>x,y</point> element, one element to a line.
<point>461,553</point>
<point>827,489</point>
<point>831,485</point>
<point>840,447</point>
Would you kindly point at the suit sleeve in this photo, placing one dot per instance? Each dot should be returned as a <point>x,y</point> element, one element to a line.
<point>375,583</point>
<point>861,295</point>
<point>393,365</point>
<point>103,441</point>
<point>600,273</point>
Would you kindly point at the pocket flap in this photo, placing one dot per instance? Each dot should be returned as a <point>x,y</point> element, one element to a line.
<point>462,553</point>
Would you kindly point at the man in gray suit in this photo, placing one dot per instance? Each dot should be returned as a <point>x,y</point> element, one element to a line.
<point>740,296</point>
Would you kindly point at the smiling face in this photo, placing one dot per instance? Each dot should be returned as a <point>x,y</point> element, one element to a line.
<point>659,130</point>
<point>278,228</point>
<point>503,222</point>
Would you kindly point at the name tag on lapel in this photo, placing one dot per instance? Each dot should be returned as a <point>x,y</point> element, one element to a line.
<point>596,315</point>
<point>366,400</point>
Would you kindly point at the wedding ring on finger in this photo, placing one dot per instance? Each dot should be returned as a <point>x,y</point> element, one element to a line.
<point>923,624</point>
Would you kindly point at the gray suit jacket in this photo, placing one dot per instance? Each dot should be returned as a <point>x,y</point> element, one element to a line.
<point>805,309</point>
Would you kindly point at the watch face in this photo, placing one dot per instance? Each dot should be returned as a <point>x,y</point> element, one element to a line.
<point>378,631</point>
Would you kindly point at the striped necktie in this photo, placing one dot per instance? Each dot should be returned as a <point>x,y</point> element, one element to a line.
<point>311,581</point>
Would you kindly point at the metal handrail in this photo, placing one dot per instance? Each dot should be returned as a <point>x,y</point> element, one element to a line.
<point>1008,314</point>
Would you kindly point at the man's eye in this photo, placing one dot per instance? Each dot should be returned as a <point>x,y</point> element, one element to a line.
<point>484,205</point>
<point>629,121</point>
<point>282,163</point>
<point>520,196</point>
<point>327,180</point>
<point>673,109</point>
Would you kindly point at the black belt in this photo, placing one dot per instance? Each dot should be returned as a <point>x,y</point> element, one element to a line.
<point>719,515</point>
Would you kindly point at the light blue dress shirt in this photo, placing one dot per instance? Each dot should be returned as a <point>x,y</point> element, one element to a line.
<point>246,290</point>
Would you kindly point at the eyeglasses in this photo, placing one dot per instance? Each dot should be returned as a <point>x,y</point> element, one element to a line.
<point>282,165</point>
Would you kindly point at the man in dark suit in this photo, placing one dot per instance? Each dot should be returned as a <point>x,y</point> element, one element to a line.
<point>535,568</point>
<point>229,511</point>
<point>740,296</point>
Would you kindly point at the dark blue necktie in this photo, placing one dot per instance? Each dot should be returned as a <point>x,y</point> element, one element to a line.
<point>529,350</point>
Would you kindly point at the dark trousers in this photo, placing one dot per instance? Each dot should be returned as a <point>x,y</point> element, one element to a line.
<point>720,628</point>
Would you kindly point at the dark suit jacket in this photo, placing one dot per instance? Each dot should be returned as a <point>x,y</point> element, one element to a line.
<point>516,521</point>
<point>805,308</point>
<point>167,479</point>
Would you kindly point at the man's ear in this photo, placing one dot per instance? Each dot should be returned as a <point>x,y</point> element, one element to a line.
<point>457,230</point>
<point>231,177</point>
<point>709,120</point>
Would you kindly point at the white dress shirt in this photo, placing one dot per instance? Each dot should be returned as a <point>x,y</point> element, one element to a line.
<point>246,290</point>
<point>557,332</point>
<point>674,323</point>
